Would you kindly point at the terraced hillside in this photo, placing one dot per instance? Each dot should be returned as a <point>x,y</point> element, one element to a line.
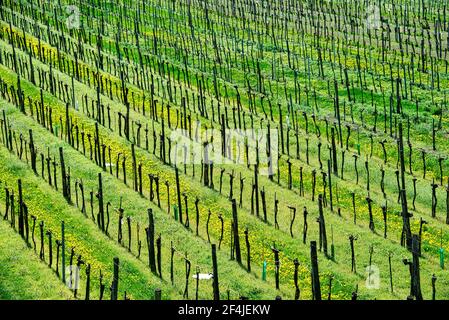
<point>287,148</point>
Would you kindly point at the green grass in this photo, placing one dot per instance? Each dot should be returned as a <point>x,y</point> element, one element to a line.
<point>135,206</point>
<point>340,234</point>
<point>23,276</point>
<point>99,249</point>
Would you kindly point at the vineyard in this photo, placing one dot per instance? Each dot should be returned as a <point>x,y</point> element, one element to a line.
<point>224,150</point>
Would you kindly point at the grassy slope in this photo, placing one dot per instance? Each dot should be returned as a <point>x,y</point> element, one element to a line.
<point>341,246</point>
<point>22,274</point>
<point>83,230</point>
<point>380,244</point>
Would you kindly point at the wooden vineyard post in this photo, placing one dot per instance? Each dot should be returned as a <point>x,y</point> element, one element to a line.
<point>334,153</point>
<point>416,272</point>
<point>301,182</point>
<point>423,153</point>
<point>322,226</point>
<point>264,204</point>
<point>269,153</point>
<point>235,225</point>
<point>370,211</point>
<point>150,242</point>
<point>33,153</point>
<point>215,283</point>
<point>276,211</point>
<point>157,192</point>
<point>139,174</point>
<point>197,215</point>
<point>434,198</point>
<point>355,168</point>
<point>63,174</point>
<point>97,146</point>
<point>206,163</point>
<point>207,227</point>
<point>384,213</point>
<point>256,187</point>
<point>187,267</point>
<point>187,222</point>
<point>421,223</point>
<point>248,250</point>
<point>167,185</point>
<point>67,124</point>
<point>305,226</point>
<point>382,182</point>
<point>276,264</point>
<point>50,249</point>
<point>319,155</point>
<point>316,289</point>
<point>21,215</point>
<point>87,296</point>
<point>151,176</point>
<point>295,279</point>
<point>289,174</point>
<point>42,250</point>
<point>292,219</point>
<point>115,280</point>
<point>134,164</point>
<point>159,255</point>
<point>178,192</point>
<point>128,219</point>
<point>353,264</point>
<point>100,202</point>
<point>367,174</point>
<point>220,217</point>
